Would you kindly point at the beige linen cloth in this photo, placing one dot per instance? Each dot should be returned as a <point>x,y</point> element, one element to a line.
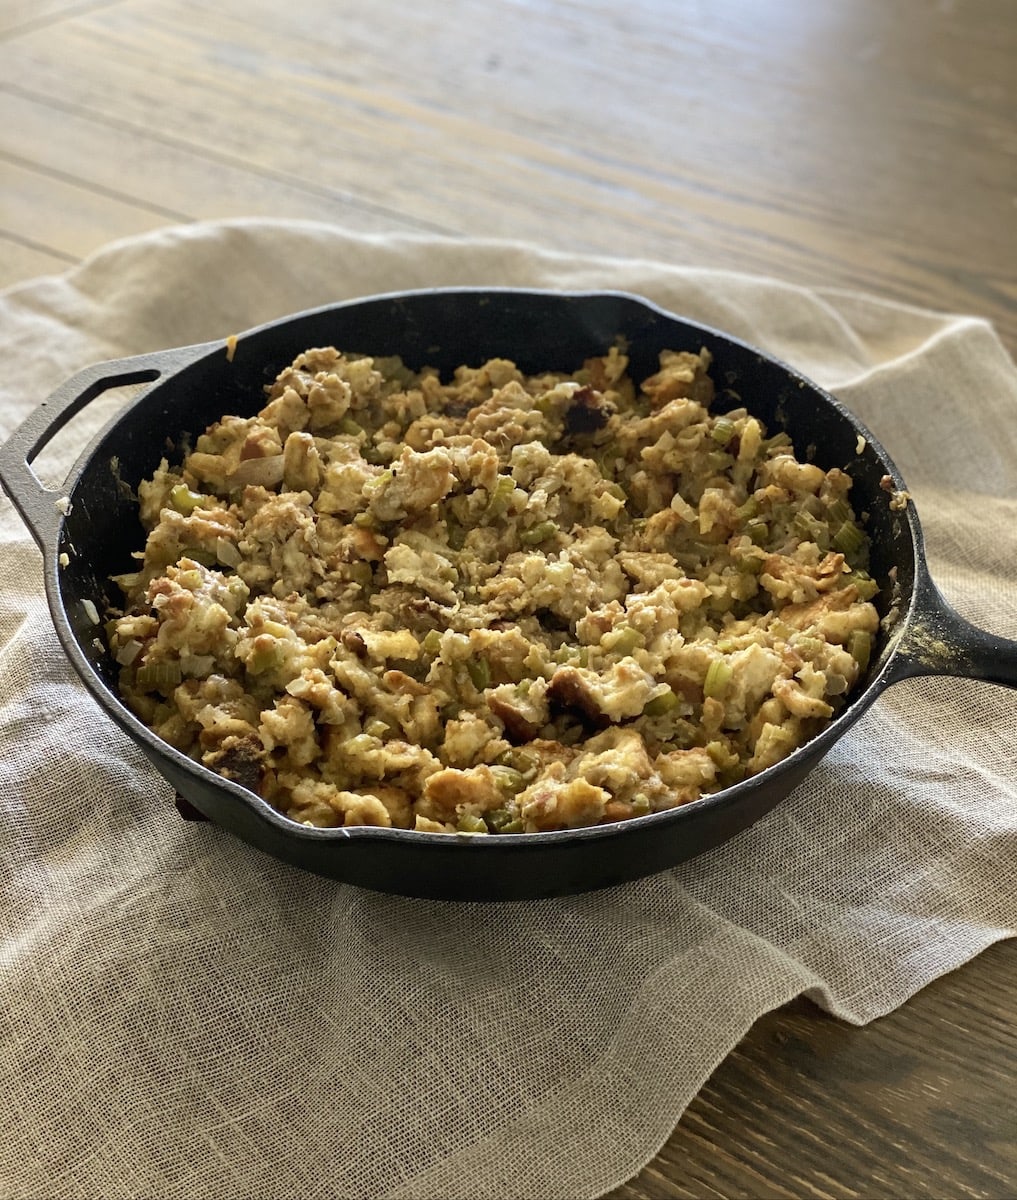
<point>183,1017</point>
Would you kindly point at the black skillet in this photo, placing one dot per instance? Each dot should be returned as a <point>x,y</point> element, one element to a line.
<point>188,388</point>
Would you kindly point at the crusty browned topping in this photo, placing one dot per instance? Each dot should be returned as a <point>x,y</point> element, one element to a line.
<point>492,604</point>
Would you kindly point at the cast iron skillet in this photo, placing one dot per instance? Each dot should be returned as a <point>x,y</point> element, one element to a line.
<point>189,388</point>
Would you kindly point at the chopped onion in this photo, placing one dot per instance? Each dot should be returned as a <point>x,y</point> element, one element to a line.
<point>266,472</point>
<point>197,664</point>
<point>128,652</point>
<point>227,553</point>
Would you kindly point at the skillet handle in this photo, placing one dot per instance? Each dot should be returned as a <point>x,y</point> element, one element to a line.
<point>939,641</point>
<point>39,506</point>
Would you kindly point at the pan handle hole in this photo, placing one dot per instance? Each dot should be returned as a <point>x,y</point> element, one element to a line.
<point>54,461</point>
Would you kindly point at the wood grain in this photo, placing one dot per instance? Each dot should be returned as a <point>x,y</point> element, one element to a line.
<point>829,143</point>
<point>853,143</point>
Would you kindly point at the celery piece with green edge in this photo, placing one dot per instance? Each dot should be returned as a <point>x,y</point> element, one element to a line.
<point>718,676</point>
<point>848,538</point>
<point>185,501</point>
<point>470,823</point>
<point>539,533</point>
<point>865,585</point>
<point>498,497</point>
<point>503,820</point>
<point>154,676</point>
<point>811,529</point>
<point>661,705</point>
<point>628,639</point>
<point>508,779</point>
<point>758,532</point>
<point>723,430</point>
<point>859,646</point>
<point>838,512</point>
<point>479,672</point>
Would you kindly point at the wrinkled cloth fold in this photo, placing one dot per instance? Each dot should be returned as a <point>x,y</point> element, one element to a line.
<point>182,1016</point>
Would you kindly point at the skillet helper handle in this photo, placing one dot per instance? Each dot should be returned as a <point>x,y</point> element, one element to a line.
<point>39,506</point>
<point>942,642</point>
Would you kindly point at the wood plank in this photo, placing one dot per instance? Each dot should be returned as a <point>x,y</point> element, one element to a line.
<point>504,91</point>
<point>20,260</point>
<point>25,16</point>
<point>627,186</point>
<point>517,198</point>
<point>65,218</point>
<point>428,177</point>
<point>131,162</point>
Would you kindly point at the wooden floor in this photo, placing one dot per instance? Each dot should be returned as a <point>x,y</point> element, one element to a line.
<point>866,144</point>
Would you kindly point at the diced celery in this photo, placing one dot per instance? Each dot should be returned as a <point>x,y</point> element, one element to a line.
<point>539,533</point>
<point>266,656</point>
<point>808,647</point>
<point>809,528</point>
<point>470,823</point>
<point>186,501</point>
<point>498,497</point>
<point>848,538</point>
<point>379,481</point>
<point>758,532</point>
<point>661,705</point>
<point>723,430</point>
<point>866,586</point>
<point>859,646</point>
<point>361,572</point>
<point>779,441</point>
<point>508,780</point>
<point>154,676</point>
<point>838,512</point>
<point>718,676</point>
<point>479,672</point>
<point>496,818</point>
<point>722,757</point>
<point>626,640</point>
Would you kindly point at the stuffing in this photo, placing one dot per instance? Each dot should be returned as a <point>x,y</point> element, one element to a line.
<point>499,604</point>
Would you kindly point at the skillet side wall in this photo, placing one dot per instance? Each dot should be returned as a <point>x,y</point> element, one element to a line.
<point>463,868</point>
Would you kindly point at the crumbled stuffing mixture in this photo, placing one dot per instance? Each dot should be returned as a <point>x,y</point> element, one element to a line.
<point>495,604</point>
